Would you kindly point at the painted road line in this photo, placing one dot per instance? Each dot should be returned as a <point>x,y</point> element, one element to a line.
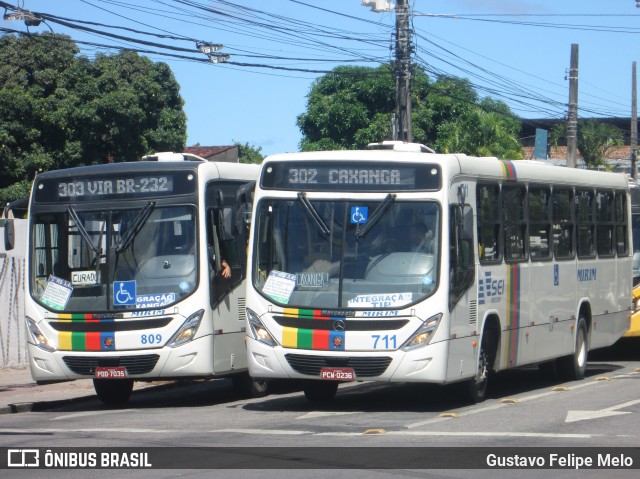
<point>573,416</point>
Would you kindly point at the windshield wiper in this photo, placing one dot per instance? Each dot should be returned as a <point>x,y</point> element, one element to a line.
<point>324,229</point>
<point>136,224</point>
<point>83,232</point>
<point>378,213</point>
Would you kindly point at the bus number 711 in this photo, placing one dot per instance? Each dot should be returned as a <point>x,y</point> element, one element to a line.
<point>385,342</point>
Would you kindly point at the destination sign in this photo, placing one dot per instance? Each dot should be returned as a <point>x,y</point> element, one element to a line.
<point>350,176</point>
<point>120,186</point>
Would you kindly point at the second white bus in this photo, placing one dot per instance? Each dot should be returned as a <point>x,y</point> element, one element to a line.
<point>398,264</point>
<point>124,273</point>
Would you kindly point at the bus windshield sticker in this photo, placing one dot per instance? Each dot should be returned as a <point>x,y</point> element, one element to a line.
<point>359,214</point>
<point>124,293</point>
<point>380,300</point>
<point>85,278</point>
<point>57,293</point>
<point>279,286</point>
<point>154,300</point>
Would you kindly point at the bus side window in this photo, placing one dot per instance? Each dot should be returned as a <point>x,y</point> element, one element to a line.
<point>462,264</point>
<point>489,224</point>
<point>563,225</point>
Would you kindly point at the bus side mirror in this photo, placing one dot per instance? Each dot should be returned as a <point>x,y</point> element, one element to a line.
<point>9,234</point>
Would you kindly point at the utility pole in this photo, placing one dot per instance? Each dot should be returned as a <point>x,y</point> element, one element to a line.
<point>404,129</point>
<point>401,127</point>
<point>634,123</point>
<point>572,119</point>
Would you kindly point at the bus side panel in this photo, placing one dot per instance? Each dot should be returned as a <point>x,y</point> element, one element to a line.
<point>462,355</point>
<point>598,281</point>
<point>229,348</point>
<point>553,297</point>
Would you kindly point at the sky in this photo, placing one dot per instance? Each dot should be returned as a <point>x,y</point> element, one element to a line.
<point>517,51</point>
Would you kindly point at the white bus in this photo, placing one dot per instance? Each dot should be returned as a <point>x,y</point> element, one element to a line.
<point>124,273</point>
<point>398,264</point>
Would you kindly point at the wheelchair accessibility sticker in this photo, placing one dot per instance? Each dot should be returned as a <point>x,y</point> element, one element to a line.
<point>359,214</point>
<point>124,293</point>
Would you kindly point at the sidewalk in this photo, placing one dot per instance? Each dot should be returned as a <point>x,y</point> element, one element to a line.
<point>20,393</point>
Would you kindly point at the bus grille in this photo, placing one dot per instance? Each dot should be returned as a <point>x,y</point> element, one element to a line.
<point>349,324</point>
<point>109,326</point>
<point>364,367</point>
<point>86,365</point>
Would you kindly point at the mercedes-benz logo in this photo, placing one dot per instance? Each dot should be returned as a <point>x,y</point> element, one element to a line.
<point>338,325</point>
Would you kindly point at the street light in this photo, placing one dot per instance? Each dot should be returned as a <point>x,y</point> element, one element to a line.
<point>29,18</point>
<point>381,5</point>
<point>208,48</point>
<point>218,57</point>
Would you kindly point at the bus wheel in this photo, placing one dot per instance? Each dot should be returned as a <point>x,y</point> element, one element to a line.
<point>477,386</point>
<point>320,391</point>
<point>574,366</point>
<point>113,391</point>
<point>250,387</point>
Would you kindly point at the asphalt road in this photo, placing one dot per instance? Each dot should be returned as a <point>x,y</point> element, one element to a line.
<point>523,410</point>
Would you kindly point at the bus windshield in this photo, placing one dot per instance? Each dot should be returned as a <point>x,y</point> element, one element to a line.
<point>346,254</point>
<point>92,260</point>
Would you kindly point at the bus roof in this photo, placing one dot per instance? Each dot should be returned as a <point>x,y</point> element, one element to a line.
<point>460,164</point>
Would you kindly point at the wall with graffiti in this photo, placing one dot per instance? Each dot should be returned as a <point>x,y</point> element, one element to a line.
<point>13,351</point>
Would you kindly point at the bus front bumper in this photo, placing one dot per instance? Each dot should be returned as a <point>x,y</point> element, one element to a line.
<point>426,364</point>
<point>188,360</point>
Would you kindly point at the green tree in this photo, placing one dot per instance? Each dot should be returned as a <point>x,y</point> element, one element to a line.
<point>341,106</point>
<point>353,106</point>
<point>59,110</point>
<point>595,139</point>
<point>248,153</point>
<point>487,130</point>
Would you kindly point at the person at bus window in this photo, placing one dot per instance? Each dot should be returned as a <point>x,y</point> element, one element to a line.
<point>225,271</point>
<point>421,238</point>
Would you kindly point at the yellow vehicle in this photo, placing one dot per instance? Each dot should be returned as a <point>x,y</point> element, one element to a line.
<point>634,321</point>
<point>634,326</point>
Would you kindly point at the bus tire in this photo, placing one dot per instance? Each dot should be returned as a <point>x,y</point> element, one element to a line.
<point>476,387</point>
<point>250,387</point>
<point>320,391</point>
<point>574,366</point>
<point>113,391</point>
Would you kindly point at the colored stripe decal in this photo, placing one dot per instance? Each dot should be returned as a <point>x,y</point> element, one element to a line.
<point>513,313</point>
<point>77,341</point>
<point>87,341</point>
<point>289,337</point>
<point>321,340</point>
<point>93,341</point>
<point>305,313</point>
<point>509,170</point>
<point>64,341</point>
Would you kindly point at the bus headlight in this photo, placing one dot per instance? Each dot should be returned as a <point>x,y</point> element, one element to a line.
<point>38,336</point>
<point>258,330</point>
<point>423,334</point>
<point>187,331</point>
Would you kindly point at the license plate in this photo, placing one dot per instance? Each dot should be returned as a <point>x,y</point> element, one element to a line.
<point>115,372</point>
<point>338,374</point>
